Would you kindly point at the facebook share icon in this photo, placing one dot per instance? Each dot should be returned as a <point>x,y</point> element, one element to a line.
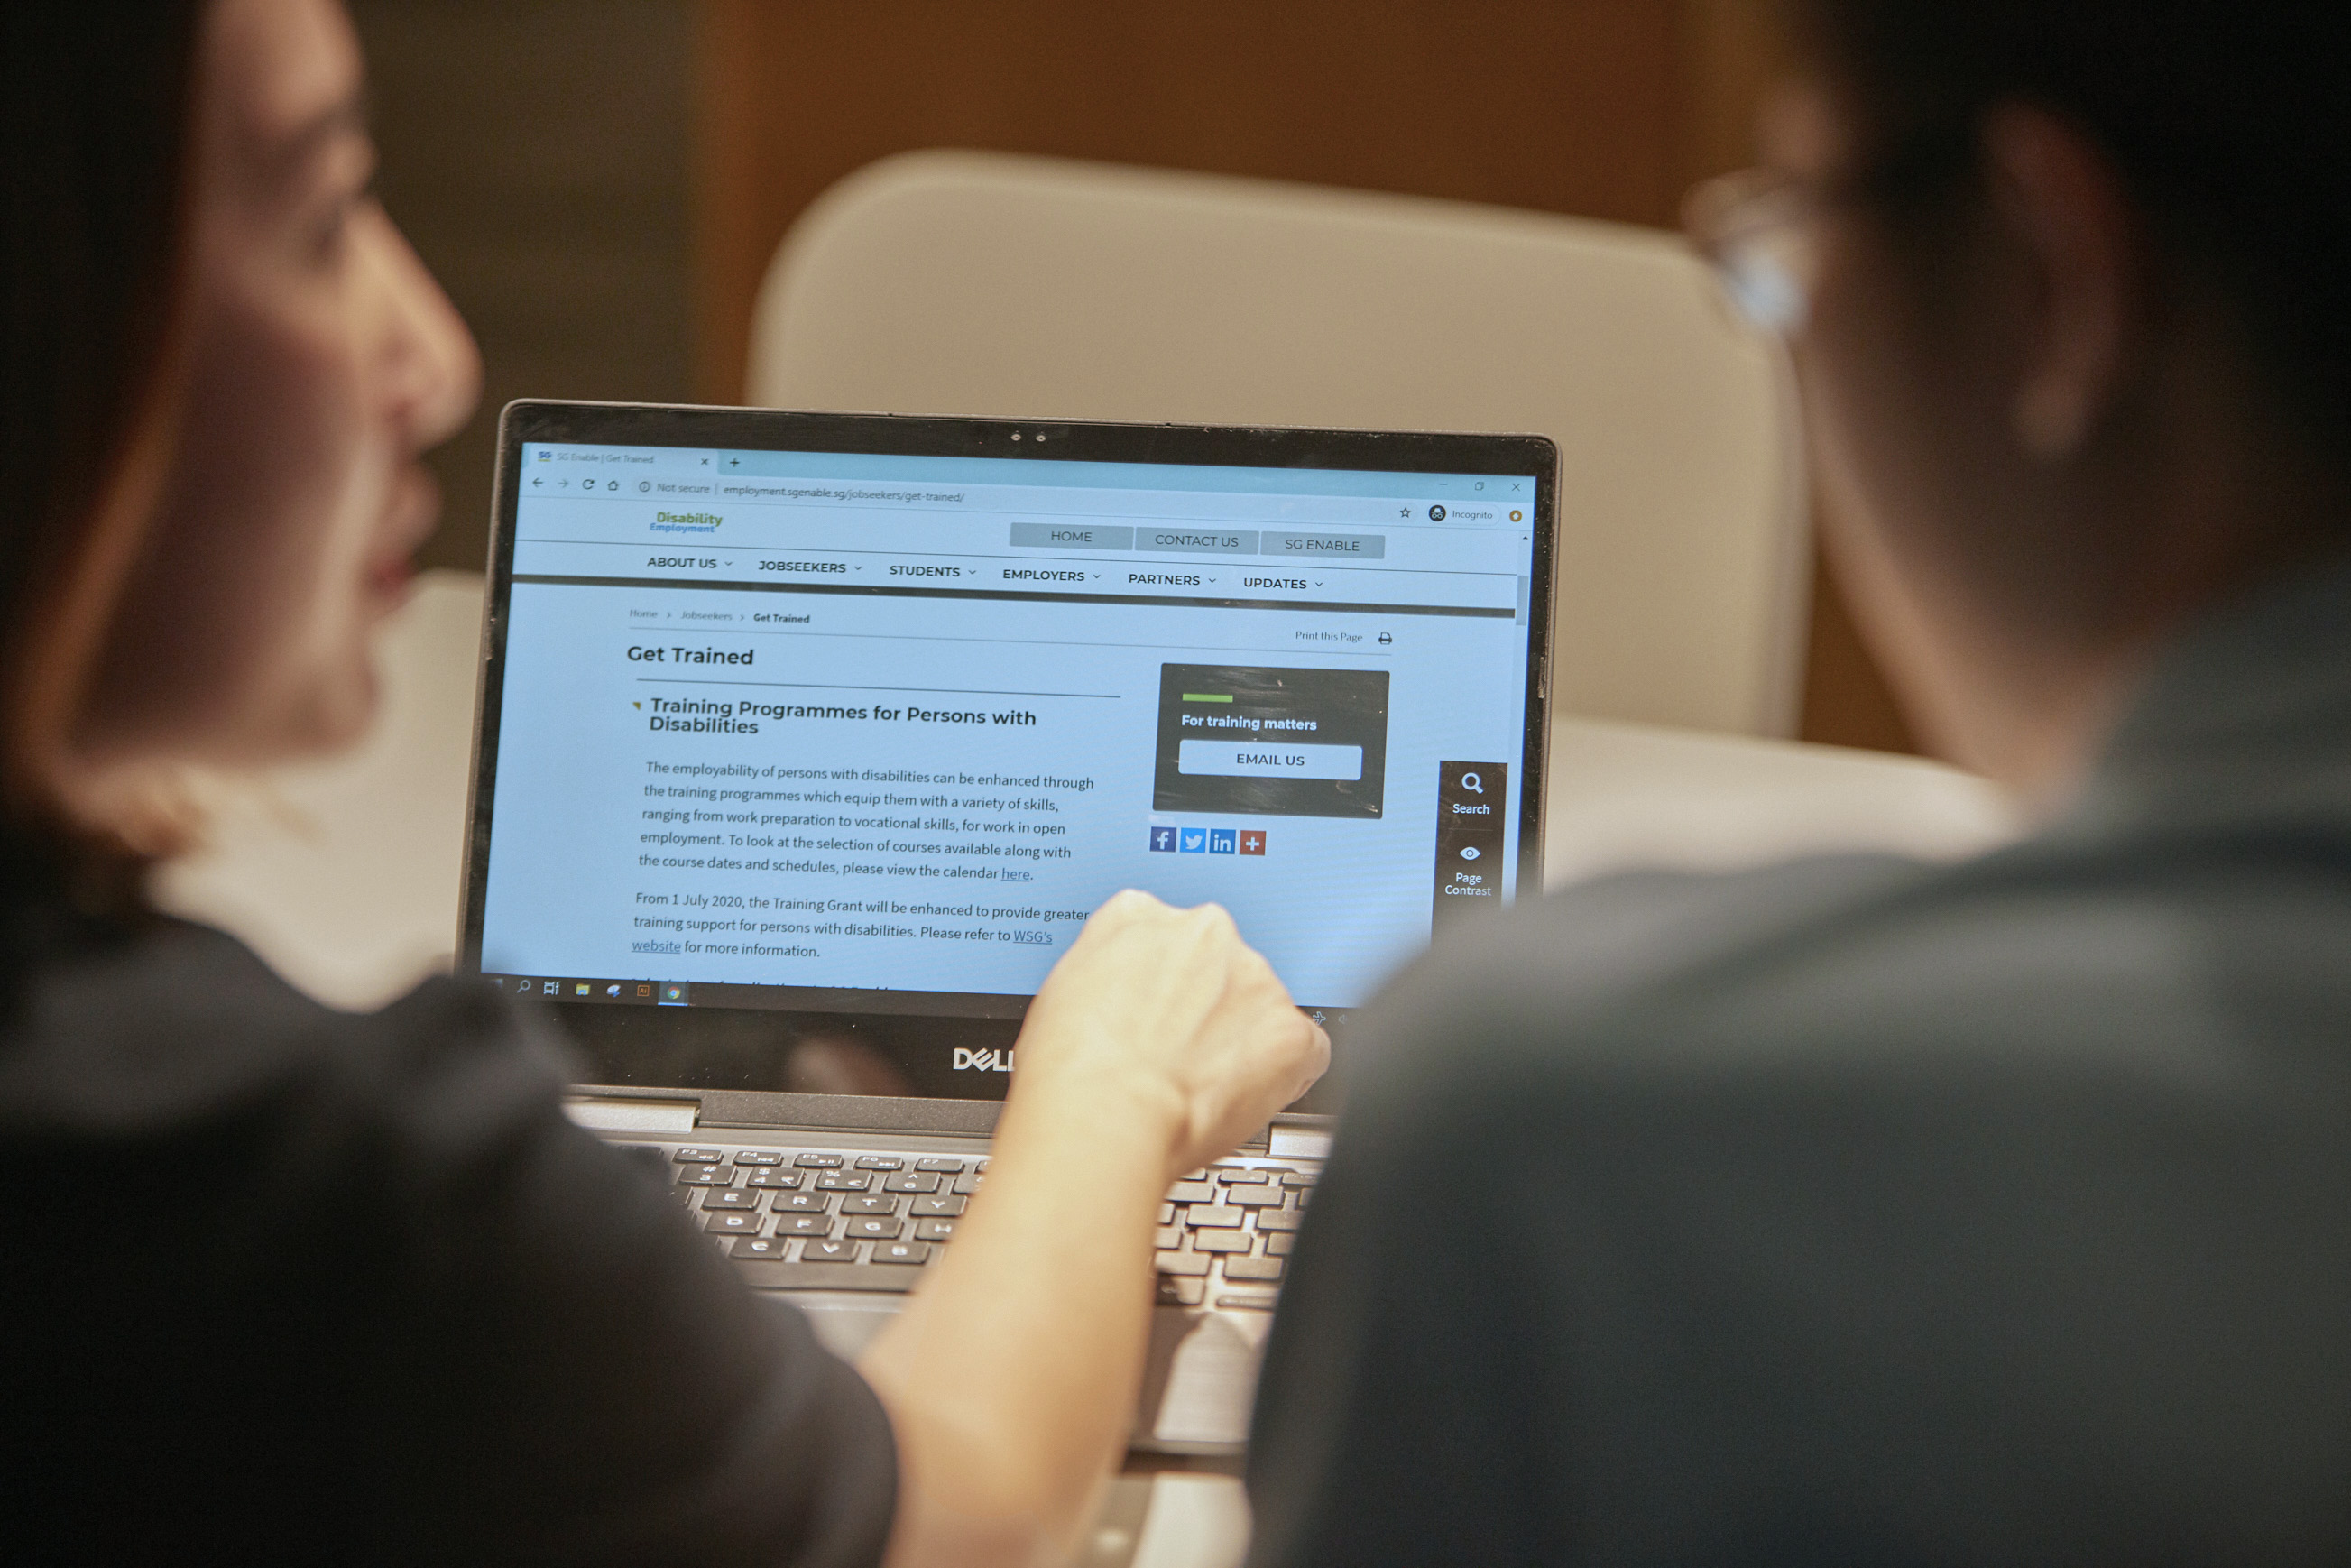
<point>1196,841</point>
<point>1162,840</point>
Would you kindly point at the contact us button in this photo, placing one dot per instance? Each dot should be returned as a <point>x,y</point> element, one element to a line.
<point>1265,760</point>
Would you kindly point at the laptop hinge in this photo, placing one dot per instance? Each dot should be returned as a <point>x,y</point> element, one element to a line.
<point>616,1116</point>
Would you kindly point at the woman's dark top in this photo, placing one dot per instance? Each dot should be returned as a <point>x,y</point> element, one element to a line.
<point>279,1283</point>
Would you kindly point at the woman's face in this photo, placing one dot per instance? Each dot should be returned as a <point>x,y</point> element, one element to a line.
<point>320,361</point>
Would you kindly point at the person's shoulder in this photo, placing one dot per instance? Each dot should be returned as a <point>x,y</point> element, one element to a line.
<point>2046,958</point>
<point>177,1025</point>
<point>1592,961</point>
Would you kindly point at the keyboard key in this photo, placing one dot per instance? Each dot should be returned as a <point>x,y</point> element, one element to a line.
<point>804,1225</point>
<point>698,1157</point>
<point>1279,1245</point>
<point>873,1228</point>
<point>1167,1236</point>
<point>879,1163</point>
<point>911,1181</point>
<point>1166,1214</point>
<point>652,1155</point>
<point>1255,1197</point>
<point>941,1208</point>
<point>1191,1263</point>
<point>902,1252</point>
<point>829,1252</point>
<point>706,1175</point>
<point>1221,1240</point>
<point>685,1196</point>
<point>1253,1268</point>
<point>940,1163</point>
<point>1181,1292</point>
<point>1247,1301</point>
<point>731,1197</point>
<point>733,1224</point>
<point>842,1181</point>
<point>1269,1219</point>
<point>808,1276</point>
<point>934,1230</point>
<point>869,1206</point>
<point>1297,1179</point>
<point>801,1202</point>
<point>759,1246</point>
<point>1200,1175</point>
<point>817,1162</point>
<point>758,1157</point>
<point>968,1183</point>
<point>1193,1192</point>
<point>785,1180</point>
<point>1255,1176</point>
<point>1201,1216</point>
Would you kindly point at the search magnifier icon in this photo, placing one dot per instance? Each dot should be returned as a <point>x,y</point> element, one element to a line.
<point>1471,782</point>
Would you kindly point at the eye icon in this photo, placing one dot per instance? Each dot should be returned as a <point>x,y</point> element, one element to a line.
<point>1471,853</point>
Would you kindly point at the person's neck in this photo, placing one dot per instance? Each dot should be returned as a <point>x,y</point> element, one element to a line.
<point>2202,523</point>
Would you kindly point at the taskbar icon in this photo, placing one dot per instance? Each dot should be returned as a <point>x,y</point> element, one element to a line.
<point>642,992</point>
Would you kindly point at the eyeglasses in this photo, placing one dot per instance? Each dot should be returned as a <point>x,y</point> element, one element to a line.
<point>1759,230</point>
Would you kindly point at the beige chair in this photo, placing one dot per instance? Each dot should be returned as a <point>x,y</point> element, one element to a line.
<point>972,283</point>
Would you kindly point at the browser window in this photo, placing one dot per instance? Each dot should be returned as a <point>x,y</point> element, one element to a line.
<point>772,723</point>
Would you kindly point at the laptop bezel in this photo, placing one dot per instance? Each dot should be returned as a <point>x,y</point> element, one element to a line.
<point>612,1041</point>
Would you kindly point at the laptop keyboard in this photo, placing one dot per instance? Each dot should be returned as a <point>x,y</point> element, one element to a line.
<point>840,1220</point>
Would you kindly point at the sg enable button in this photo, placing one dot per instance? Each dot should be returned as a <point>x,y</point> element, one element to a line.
<point>1336,547</point>
<point>1268,759</point>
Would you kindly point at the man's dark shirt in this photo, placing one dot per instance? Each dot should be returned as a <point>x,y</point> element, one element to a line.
<point>281,1284</point>
<point>1858,1210</point>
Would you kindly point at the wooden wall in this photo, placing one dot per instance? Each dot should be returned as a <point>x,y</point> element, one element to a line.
<point>537,153</point>
<point>1605,108</point>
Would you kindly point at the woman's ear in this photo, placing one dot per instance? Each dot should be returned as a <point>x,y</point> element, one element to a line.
<point>2064,209</point>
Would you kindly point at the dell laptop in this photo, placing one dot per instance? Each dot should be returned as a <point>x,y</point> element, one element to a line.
<point>807,742</point>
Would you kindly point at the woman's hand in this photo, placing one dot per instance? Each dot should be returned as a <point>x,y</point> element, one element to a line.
<point>1168,1012</point>
<point>1158,1043</point>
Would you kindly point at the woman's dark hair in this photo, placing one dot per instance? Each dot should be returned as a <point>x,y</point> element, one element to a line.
<point>2226,121</point>
<point>94,114</point>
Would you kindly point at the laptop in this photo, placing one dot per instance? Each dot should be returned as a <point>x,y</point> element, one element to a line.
<point>808,741</point>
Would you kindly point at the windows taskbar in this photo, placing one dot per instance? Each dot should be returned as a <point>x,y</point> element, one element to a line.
<point>605,991</point>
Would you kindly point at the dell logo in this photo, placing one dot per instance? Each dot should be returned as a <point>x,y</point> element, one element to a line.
<point>982,1060</point>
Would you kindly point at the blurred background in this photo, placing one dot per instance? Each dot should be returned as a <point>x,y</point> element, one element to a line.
<point>601,184</point>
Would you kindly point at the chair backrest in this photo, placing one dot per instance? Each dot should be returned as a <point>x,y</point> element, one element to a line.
<point>972,283</point>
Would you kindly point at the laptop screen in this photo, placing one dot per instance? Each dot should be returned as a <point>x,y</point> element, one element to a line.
<point>853,732</point>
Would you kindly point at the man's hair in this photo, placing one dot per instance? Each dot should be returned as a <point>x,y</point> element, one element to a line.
<point>94,111</point>
<point>2227,123</point>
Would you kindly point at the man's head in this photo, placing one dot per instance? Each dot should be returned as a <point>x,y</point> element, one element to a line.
<point>2076,358</point>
